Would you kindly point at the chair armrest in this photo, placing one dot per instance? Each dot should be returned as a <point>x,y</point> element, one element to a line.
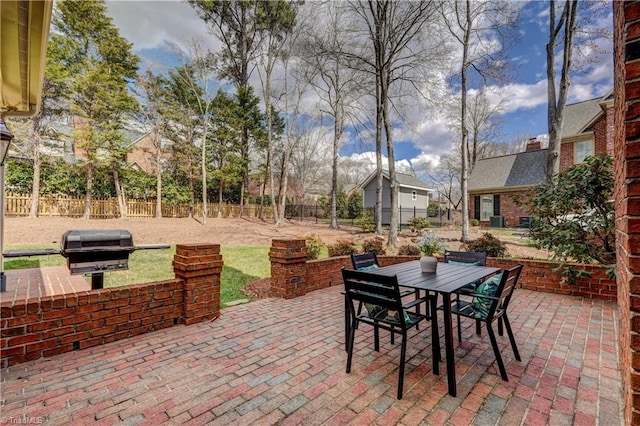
<point>417,301</point>
<point>483,296</point>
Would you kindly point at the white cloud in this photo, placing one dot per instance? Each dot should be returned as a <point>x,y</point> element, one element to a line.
<point>517,96</point>
<point>149,24</point>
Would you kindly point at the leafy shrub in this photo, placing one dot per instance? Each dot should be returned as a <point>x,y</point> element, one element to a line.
<point>373,245</point>
<point>342,248</point>
<point>314,245</point>
<point>409,250</point>
<point>574,214</point>
<point>418,223</point>
<point>487,243</point>
<point>475,222</point>
<point>430,244</point>
<point>365,223</point>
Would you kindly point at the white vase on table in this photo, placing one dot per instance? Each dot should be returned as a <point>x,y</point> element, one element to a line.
<point>428,264</point>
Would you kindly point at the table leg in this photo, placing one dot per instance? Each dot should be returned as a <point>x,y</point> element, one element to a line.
<point>448,344</point>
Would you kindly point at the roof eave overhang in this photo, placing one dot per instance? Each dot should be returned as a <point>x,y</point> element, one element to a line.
<point>500,189</point>
<point>578,137</point>
<point>24,32</point>
<point>415,187</point>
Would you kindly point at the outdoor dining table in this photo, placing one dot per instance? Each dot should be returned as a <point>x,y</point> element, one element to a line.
<point>447,279</point>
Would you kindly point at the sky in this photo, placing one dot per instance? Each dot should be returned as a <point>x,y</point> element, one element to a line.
<point>152,25</point>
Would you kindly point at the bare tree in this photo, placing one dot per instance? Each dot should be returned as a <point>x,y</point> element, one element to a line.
<point>472,25</point>
<point>278,22</point>
<point>446,179</point>
<point>396,55</point>
<point>311,159</point>
<point>193,82</point>
<point>566,23</point>
<point>334,83</point>
<point>152,90</point>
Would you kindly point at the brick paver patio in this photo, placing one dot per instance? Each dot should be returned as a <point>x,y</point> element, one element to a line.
<point>277,361</point>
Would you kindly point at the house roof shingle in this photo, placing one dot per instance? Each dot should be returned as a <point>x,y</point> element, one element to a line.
<point>528,168</point>
<point>578,116</point>
<point>514,170</point>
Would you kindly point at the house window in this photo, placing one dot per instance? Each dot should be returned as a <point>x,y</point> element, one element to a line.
<point>582,150</point>
<point>414,195</point>
<point>486,207</point>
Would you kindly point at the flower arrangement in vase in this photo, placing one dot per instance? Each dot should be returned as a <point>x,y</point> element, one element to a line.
<point>430,244</point>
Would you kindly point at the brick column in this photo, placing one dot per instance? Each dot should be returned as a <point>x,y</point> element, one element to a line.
<point>626,25</point>
<point>199,266</point>
<point>288,268</point>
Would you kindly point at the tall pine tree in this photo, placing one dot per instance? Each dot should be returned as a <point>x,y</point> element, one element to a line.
<point>92,66</point>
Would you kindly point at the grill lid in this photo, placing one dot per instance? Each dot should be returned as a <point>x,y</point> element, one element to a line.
<point>96,240</point>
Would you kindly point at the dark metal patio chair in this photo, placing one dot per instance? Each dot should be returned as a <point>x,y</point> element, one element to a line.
<point>466,258</point>
<point>368,262</point>
<point>385,310</point>
<point>490,303</point>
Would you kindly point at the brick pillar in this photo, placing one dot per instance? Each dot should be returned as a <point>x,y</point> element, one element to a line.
<point>626,25</point>
<point>199,266</point>
<point>288,268</point>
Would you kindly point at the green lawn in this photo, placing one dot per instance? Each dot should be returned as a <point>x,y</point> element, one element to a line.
<point>241,264</point>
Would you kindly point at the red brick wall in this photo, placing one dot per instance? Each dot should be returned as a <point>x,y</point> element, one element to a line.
<point>325,273</point>
<point>602,140</point>
<point>41,327</point>
<point>508,208</point>
<point>544,276</point>
<point>627,198</point>
<point>536,275</point>
<point>46,326</point>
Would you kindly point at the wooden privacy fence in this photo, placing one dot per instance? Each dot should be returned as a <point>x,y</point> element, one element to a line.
<point>107,208</point>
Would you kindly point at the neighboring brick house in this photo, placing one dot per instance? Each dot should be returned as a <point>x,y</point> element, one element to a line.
<point>413,196</point>
<point>494,182</point>
<point>142,153</point>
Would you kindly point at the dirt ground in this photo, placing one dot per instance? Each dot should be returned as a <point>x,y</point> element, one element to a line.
<point>229,231</point>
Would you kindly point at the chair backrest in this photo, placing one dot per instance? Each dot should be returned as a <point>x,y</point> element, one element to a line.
<point>371,288</point>
<point>364,261</point>
<point>476,258</point>
<point>505,291</point>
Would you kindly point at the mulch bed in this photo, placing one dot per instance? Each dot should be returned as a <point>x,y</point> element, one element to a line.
<point>258,289</point>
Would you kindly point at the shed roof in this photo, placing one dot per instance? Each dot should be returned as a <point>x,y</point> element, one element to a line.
<point>404,180</point>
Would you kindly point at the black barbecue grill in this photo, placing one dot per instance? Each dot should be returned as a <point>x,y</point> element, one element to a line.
<point>96,251</point>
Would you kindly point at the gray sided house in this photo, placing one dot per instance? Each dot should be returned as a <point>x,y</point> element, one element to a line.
<point>495,183</point>
<point>413,196</point>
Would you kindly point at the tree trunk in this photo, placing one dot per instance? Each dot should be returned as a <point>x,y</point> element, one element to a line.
<point>203,165</point>
<point>284,182</point>
<point>261,208</point>
<point>220,187</point>
<point>87,198</point>
<point>122,205</point>
<point>158,176</point>
<point>393,182</point>
<point>37,163</point>
<point>337,134</point>
<point>379,177</point>
<point>555,105</point>
<point>464,174</point>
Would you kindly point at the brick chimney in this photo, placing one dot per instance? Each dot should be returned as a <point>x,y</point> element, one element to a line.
<point>533,145</point>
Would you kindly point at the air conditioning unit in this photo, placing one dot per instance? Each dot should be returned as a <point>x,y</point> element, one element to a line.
<point>496,222</point>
